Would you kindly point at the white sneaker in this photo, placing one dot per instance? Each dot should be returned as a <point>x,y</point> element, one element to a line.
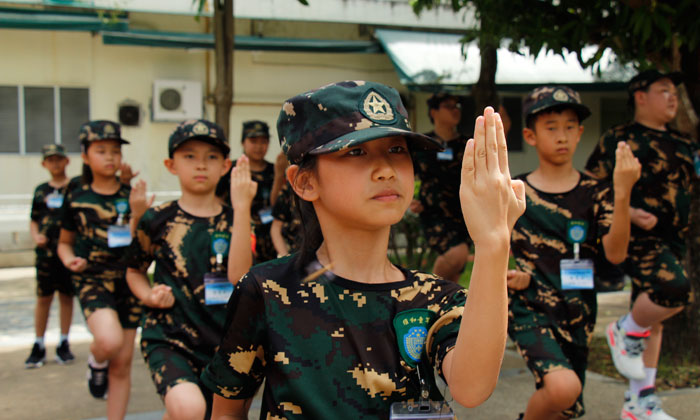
<point>626,349</point>
<point>647,406</point>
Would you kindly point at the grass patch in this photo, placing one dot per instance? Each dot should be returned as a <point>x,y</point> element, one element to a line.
<point>670,375</point>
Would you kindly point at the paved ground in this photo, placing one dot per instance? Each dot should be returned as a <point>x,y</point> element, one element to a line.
<point>60,392</point>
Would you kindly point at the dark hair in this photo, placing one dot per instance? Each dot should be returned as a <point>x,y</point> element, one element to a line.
<point>312,236</point>
<point>531,119</point>
<point>87,174</point>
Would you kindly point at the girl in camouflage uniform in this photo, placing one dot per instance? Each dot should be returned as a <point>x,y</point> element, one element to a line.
<point>94,233</point>
<point>338,331</point>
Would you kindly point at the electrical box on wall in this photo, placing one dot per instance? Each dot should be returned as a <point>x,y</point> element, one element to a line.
<point>176,100</point>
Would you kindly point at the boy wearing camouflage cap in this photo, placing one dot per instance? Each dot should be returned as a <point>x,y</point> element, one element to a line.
<point>660,207</point>
<point>338,331</point>
<point>552,301</point>
<point>200,248</point>
<point>255,139</point>
<point>97,223</point>
<point>51,275</point>
<point>439,209</point>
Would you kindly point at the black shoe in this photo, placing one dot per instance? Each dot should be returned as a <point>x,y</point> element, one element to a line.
<point>63,354</point>
<point>36,358</point>
<point>97,381</point>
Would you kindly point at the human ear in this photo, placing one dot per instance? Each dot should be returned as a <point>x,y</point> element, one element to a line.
<point>303,182</point>
<point>529,136</point>
<point>170,165</point>
<point>226,167</point>
<point>85,158</point>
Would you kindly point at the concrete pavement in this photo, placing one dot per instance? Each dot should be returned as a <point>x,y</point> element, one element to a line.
<point>60,392</point>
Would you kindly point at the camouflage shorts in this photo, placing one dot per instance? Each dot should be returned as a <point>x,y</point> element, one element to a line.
<point>108,289</point>
<point>657,270</point>
<point>170,366</point>
<point>545,352</point>
<point>52,276</point>
<point>444,234</point>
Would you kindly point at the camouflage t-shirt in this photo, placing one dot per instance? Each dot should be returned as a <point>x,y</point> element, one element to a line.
<point>439,173</point>
<point>181,245</point>
<point>46,212</point>
<point>328,348</point>
<point>667,170</point>
<point>539,242</point>
<point>90,215</point>
<point>285,211</point>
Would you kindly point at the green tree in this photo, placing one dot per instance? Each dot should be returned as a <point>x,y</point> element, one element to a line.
<point>659,34</point>
<point>223,56</point>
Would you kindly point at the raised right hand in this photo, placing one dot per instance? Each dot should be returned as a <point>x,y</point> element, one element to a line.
<point>243,188</point>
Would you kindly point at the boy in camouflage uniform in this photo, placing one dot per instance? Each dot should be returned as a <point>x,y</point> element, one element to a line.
<point>660,207</point>
<point>336,330</point>
<point>188,239</point>
<point>438,171</point>
<point>97,224</point>
<point>552,310</point>
<point>51,275</point>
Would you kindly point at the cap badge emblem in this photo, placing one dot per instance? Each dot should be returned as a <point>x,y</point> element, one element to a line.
<point>109,129</point>
<point>377,108</point>
<point>561,96</point>
<point>200,129</point>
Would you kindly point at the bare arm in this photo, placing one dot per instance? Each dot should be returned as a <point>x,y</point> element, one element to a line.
<point>627,172</point>
<point>243,188</point>
<point>225,409</point>
<point>277,238</point>
<point>66,240</point>
<point>39,239</point>
<point>491,203</point>
<point>158,296</point>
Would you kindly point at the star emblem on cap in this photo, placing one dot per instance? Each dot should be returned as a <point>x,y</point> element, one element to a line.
<point>377,108</point>
<point>109,129</point>
<point>561,96</point>
<point>200,129</point>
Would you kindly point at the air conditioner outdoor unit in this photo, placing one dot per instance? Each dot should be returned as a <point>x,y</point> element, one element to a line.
<point>177,100</point>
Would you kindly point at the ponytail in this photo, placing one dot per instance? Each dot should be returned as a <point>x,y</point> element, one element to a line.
<point>311,235</point>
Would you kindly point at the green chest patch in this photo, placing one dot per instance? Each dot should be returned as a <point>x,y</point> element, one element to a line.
<point>411,329</point>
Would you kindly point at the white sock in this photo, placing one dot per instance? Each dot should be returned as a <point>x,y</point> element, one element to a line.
<point>648,382</point>
<point>64,337</point>
<point>92,362</point>
<point>630,326</point>
<point>40,342</point>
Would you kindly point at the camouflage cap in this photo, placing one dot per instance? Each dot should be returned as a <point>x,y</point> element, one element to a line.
<point>546,97</point>
<point>53,150</point>
<point>647,77</point>
<point>202,130</point>
<point>100,130</point>
<point>255,128</point>
<point>341,115</point>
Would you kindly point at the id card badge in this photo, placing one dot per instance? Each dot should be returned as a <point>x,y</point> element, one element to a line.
<point>54,200</point>
<point>118,236</point>
<point>446,154</point>
<point>217,289</point>
<point>421,410</point>
<point>576,274</point>
<point>265,215</point>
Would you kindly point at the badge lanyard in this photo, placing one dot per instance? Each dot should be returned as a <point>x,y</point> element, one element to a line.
<point>119,234</point>
<point>217,287</point>
<point>576,273</point>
